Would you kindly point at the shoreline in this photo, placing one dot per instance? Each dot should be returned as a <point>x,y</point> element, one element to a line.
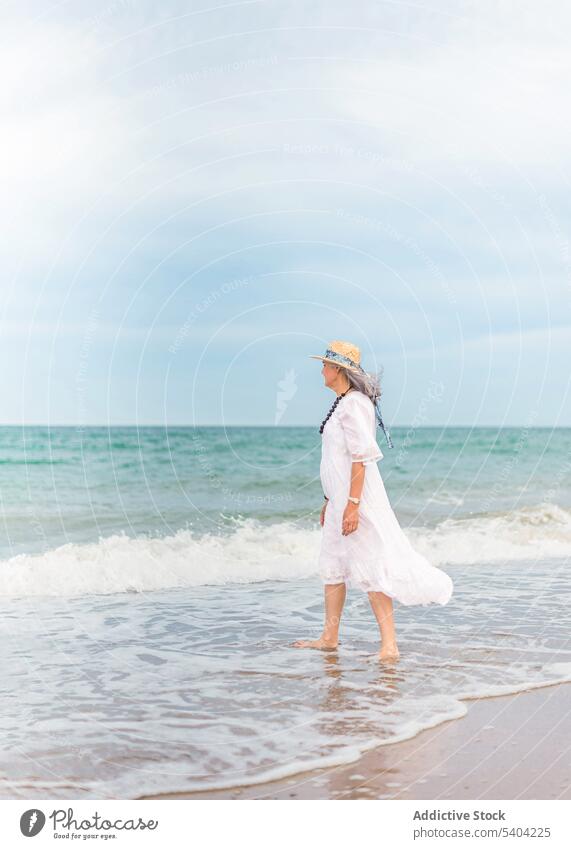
<point>504,747</point>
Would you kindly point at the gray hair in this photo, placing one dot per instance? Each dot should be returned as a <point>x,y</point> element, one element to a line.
<point>368,384</point>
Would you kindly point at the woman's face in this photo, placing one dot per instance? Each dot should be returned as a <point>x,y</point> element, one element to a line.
<point>330,373</point>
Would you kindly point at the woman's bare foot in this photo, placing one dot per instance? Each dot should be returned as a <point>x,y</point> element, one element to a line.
<point>389,652</point>
<point>321,643</point>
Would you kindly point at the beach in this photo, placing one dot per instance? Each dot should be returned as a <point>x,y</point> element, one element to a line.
<point>148,608</point>
<point>508,747</point>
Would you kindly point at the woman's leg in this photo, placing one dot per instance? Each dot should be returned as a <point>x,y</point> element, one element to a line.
<point>383,609</point>
<point>334,600</point>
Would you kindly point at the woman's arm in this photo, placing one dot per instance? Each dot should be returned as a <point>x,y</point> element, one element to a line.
<point>351,512</point>
<point>357,480</point>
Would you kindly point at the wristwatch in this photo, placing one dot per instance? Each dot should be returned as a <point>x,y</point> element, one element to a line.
<point>354,500</point>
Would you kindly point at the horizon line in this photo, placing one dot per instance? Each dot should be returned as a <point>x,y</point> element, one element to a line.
<point>292,426</point>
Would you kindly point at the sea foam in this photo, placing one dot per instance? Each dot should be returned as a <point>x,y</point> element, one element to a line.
<point>254,552</point>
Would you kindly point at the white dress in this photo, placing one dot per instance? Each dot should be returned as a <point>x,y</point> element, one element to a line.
<point>377,556</point>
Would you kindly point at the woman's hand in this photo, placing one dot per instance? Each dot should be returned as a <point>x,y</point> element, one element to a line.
<point>350,518</point>
<point>322,516</point>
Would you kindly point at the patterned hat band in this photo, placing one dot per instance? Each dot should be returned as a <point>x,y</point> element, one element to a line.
<point>382,424</point>
<point>342,359</point>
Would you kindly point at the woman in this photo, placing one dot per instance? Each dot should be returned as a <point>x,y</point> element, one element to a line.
<point>362,543</point>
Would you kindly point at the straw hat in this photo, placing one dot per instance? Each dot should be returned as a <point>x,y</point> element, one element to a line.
<point>343,354</point>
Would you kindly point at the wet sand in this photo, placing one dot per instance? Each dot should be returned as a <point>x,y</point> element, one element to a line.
<point>507,747</point>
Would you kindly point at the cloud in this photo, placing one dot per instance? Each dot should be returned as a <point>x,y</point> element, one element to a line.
<point>121,111</point>
<point>495,106</point>
<point>160,151</point>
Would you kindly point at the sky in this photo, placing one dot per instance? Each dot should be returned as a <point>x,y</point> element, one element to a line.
<point>198,196</point>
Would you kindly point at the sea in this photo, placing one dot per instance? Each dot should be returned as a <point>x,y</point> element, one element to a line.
<point>153,579</point>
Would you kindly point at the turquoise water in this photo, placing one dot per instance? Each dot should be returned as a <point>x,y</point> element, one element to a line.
<point>152,581</point>
<point>62,484</point>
